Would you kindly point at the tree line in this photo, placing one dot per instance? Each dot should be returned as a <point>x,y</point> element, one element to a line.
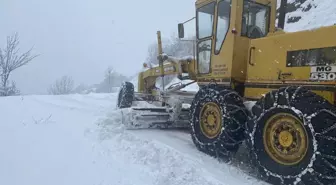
<point>11,59</point>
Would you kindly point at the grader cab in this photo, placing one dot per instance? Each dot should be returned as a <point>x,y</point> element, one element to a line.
<point>242,56</point>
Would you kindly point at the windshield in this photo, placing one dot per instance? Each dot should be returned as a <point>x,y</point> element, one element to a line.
<point>255,20</point>
<point>205,18</point>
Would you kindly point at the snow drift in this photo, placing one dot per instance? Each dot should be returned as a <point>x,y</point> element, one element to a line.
<point>79,139</point>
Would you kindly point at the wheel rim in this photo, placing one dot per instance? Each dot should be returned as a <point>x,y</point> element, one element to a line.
<point>285,139</point>
<point>210,120</point>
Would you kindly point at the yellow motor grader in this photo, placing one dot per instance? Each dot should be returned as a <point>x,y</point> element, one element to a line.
<point>241,56</point>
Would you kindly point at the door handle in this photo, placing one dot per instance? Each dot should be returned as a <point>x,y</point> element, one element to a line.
<point>250,55</point>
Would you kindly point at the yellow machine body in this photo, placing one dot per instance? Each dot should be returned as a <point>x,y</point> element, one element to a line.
<point>254,66</point>
<point>239,48</point>
<point>147,78</point>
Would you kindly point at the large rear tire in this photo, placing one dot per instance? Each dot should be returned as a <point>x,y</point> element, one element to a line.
<point>126,95</point>
<point>292,136</point>
<point>217,118</point>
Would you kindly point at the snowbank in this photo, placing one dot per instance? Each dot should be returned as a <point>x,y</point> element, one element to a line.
<point>79,139</point>
<point>42,140</point>
<point>168,156</point>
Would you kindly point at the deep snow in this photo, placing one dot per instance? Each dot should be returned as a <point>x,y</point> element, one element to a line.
<point>322,13</point>
<point>79,139</point>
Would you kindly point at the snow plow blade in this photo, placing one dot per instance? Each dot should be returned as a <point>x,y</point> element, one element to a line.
<point>144,118</point>
<point>168,109</point>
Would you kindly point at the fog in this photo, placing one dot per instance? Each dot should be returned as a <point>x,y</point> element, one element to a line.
<point>81,38</point>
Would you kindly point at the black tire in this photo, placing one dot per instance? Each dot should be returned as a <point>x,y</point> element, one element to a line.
<point>318,166</point>
<point>126,95</point>
<point>233,117</point>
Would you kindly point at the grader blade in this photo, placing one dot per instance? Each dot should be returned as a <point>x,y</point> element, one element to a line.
<point>166,109</point>
<point>160,117</point>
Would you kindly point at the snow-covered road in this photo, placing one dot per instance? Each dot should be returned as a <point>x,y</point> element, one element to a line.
<point>79,139</point>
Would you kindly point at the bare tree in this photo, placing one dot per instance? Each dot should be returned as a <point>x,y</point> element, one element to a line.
<point>152,50</point>
<point>10,60</point>
<point>64,85</point>
<point>112,79</point>
<point>172,46</point>
<point>108,75</point>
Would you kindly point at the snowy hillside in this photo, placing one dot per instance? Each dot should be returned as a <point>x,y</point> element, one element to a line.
<point>310,14</point>
<point>79,139</point>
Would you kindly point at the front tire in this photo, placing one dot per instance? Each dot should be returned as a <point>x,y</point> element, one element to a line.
<point>292,136</point>
<point>126,95</point>
<point>217,118</point>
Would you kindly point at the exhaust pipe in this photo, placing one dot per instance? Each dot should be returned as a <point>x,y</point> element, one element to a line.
<point>282,14</point>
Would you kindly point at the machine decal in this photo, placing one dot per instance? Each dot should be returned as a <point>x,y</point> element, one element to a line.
<point>323,73</point>
<point>220,69</point>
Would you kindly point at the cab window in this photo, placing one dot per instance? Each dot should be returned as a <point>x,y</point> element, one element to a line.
<point>255,20</point>
<point>223,23</point>
<point>312,57</point>
<point>205,20</point>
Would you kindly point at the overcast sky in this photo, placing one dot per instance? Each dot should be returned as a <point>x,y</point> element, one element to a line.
<point>82,38</point>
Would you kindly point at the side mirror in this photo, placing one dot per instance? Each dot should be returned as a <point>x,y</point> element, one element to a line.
<point>181,30</point>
